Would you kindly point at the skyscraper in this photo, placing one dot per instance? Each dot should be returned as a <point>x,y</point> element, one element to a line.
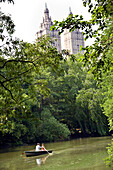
<point>73,40</point>
<point>45,30</point>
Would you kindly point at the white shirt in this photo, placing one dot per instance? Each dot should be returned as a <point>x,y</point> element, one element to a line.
<point>38,147</point>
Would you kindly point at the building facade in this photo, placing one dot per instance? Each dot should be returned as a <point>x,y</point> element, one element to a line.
<point>73,40</point>
<point>45,30</point>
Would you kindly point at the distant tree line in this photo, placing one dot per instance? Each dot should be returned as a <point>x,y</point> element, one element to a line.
<point>72,105</point>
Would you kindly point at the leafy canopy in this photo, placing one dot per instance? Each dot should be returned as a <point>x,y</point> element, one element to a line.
<point>20,62</point>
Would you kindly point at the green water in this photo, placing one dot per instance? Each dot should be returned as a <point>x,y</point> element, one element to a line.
<point>78,154</point>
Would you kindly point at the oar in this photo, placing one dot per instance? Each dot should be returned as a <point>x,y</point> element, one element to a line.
<point>47,151</point>
<point>45,148</point>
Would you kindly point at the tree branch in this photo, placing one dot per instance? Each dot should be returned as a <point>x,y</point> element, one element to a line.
<point>17,76</point>
<point>17,61</point>
<point>7,90</point>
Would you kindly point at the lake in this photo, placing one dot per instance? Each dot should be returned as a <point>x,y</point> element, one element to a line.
<point>77,154</point>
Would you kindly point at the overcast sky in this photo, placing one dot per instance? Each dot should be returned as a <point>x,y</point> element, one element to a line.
<point>28,14</point>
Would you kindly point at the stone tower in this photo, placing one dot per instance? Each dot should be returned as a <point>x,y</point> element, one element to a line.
<point>45,30</point>
<point>73,40</point>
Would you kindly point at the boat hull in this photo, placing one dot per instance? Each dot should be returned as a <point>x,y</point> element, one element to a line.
<point>36,153</point>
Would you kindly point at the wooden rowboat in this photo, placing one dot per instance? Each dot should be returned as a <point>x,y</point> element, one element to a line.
<point>36,153</point>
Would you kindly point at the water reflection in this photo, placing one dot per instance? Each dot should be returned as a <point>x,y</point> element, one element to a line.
<point>41,160</point>
<point>38,159</point>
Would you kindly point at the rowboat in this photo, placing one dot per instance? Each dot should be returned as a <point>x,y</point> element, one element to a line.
<point>36,153</point>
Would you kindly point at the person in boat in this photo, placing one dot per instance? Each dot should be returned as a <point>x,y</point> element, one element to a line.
<point>38,147</point>
<point>43,147</point>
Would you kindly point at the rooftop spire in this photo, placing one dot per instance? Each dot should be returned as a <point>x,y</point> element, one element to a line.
<point>70,12</point>
<point>45,5</point>
<point>46,9</point>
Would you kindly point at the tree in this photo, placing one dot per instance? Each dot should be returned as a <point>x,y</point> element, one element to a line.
<point>89,112</point>
<point>107,88</point>
<point>109,159</point>
<point>75,99</point>
<point>50,129</point>
<point>19,63</point>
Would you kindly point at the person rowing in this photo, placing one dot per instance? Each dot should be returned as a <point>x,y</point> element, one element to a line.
<point>43,148</point>
<point>38,147</point>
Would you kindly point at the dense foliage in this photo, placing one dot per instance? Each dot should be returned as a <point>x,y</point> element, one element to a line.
<point>73,107</point>
<point>50,129</point>
<point>19,63</point>
<point>109,159</point>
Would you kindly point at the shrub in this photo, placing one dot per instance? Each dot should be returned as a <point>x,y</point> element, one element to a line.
<point>50,129</point>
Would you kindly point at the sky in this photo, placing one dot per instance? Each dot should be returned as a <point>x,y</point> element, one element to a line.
<point>28,14</point>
